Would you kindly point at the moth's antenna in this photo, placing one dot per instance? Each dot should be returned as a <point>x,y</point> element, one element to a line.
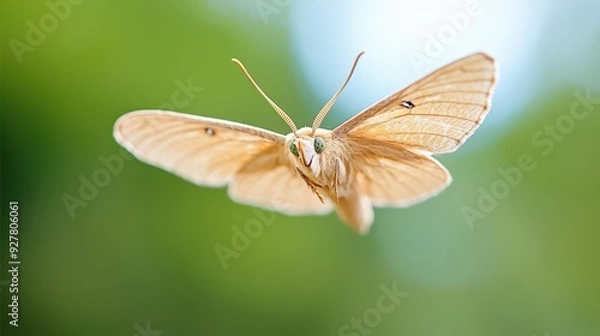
<point>327,107</point>
<point>277,109</point>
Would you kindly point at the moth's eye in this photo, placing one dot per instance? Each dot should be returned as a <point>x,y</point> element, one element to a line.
<point>319,145</point>
<point>294,149</point>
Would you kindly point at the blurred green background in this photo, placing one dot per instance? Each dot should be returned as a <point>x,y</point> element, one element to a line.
<point>138,256</point>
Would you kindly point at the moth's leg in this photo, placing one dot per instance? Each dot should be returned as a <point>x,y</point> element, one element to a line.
<point>311,185</point>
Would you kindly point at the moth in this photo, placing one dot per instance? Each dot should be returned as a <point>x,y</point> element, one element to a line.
<point>381,157</point>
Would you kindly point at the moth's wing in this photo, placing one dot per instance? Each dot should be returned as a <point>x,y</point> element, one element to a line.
<point>270,181</point>
<point>436,114</point>
<point>205,151</point>
<point>393,176</point>
<point>389,183</point>
<point>213,152</point>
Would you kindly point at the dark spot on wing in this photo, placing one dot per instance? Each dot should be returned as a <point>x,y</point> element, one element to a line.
<point>407,104</point>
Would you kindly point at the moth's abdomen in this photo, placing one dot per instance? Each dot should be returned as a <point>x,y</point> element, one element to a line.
<point>356,211</point>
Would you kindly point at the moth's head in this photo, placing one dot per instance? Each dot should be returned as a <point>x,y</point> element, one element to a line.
<point>306,148</point>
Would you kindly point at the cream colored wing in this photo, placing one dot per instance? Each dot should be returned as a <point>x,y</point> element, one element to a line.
<point>270,181</point>
<point>202,150</point>
<point>213,152</point>
<point>436,114</point>
<point>392,176</point>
